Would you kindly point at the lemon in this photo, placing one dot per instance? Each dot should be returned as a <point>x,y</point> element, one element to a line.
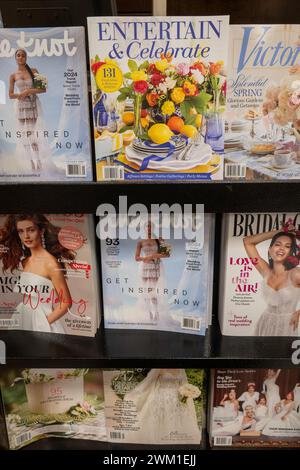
<point>188,130</point>
<point>160,133</point>
<point>198,120</point>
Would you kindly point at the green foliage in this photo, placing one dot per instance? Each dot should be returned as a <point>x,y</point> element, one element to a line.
<point>197,377</point>
<point>121,97</point>
<point>132,65</point>
<point>201,101</point>
<point>127,75</point>
<point>144,65</point>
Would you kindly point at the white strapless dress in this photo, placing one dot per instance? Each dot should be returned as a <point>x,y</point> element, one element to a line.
<point>281,304</point>
<point>34,308</point>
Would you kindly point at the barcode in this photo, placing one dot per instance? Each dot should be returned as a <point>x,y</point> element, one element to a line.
<point>235,170</point>
<point>10,323</point>
<point>191,323</point>
<point>113,173</point>
<point>223,440</point>
<point>76,169</point>
<point>117,435</point>
<point>26,436</point>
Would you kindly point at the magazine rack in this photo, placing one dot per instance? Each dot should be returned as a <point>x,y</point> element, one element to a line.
<point>113,348</point>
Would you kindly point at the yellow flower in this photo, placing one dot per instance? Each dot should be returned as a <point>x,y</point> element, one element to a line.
<point>162,65</point>
<point>178,95</point>
<point>107,60</point>
<point>189,88</point>
<point>138,75</point>
<point>168,108</point>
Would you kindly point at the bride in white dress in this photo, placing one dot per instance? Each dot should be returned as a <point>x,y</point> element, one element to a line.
<point>281,281</point>
<point>286,422</point>
<point>151,274</point>
<point>227,420</point>
<point>32,246</point>
<point>30,146</point>
<point>250,397</point>
<point>271,390</point>
<point>162,417</point>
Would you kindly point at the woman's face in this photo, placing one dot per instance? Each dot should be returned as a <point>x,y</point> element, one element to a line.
<point>289,396</point>
<point>262,401</point>
<point>29,233</point>
<point>281,249</point>
<point>249,412</point>
<point>232,395</point>
<point>251,389</point>
<point>21,58</point>
<point>271,373</point>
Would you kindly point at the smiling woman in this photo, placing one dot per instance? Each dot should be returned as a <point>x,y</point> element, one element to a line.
<point>281,280</point>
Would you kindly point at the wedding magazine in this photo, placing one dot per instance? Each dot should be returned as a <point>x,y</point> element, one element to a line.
<point>255,408</point>
<point>154,406</point>
<point>260,275</point>
<point>48,274</point>
<point>44,115</point>
<point>158,284</point>
<point>41,403</point>
<point>262,125</point>
<point>152,82</point>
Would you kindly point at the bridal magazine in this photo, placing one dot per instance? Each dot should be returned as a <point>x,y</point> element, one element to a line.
<point>152,82</point>
<point>48,274</point>
<point>154,283</point>
<point>255,408</point>
<point>44,115</point>
<point>260,275</point>
<point>41,403</point>
<point>155,406</point>
<point>262,125</point>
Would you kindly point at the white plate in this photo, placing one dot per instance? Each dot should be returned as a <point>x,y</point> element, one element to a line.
<point>172,163</point>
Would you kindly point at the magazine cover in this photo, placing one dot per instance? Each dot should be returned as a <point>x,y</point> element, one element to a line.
<point>157,284</point>
<point>40,403</point>
<point>255,408</point>
<point>158,96</point>
<point>47,274</point>
<point>260,275</point>
<point>262,123</point>
<point>154,406</point>
<point>44,116</point>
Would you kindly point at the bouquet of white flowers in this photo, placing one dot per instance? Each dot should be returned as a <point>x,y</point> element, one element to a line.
<point>188,391</point>
<point>40,81</point>
<point>164,248</point>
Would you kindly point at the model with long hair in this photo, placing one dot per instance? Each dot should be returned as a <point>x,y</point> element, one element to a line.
<point>28,109</point>
<point>281,280</point>
<point>30,244</point>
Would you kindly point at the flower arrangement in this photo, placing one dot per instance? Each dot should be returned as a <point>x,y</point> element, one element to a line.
<point>283,101</point>
<point>33,376</point>
<point>188,391</point>
<point>40,81</point>
<point>168,93</point>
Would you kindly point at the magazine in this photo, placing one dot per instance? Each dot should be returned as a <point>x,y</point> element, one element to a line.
<point>157,284</point>
<point>48,274</point>
<point>44,115</point>
<point>260,275</point>
<point>41,403</point>
<point>262,126</point>
<point>156,406</point>
<point>255,408</point>
<point>158,96</point>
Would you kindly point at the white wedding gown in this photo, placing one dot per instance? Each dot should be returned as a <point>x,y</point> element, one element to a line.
<point>162,417</point>
<point>289,426</point>
<point>248,399</point>
<point>281,304</point>
<point>33,312</point>
<point>271,391</point>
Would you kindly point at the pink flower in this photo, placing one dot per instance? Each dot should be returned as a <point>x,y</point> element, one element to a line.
<point>86,406</point>
<point>182,69</point>
<point>60,375</point>
<point>140,86</point>
<point>295,99</point>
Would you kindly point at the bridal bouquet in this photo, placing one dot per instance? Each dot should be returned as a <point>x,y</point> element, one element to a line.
<point>188,391</point>
<point>164,248</point>
<point>40,81</point>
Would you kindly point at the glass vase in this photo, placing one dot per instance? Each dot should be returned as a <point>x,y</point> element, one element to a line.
<point>214,134</point>
<point>138,128</point>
